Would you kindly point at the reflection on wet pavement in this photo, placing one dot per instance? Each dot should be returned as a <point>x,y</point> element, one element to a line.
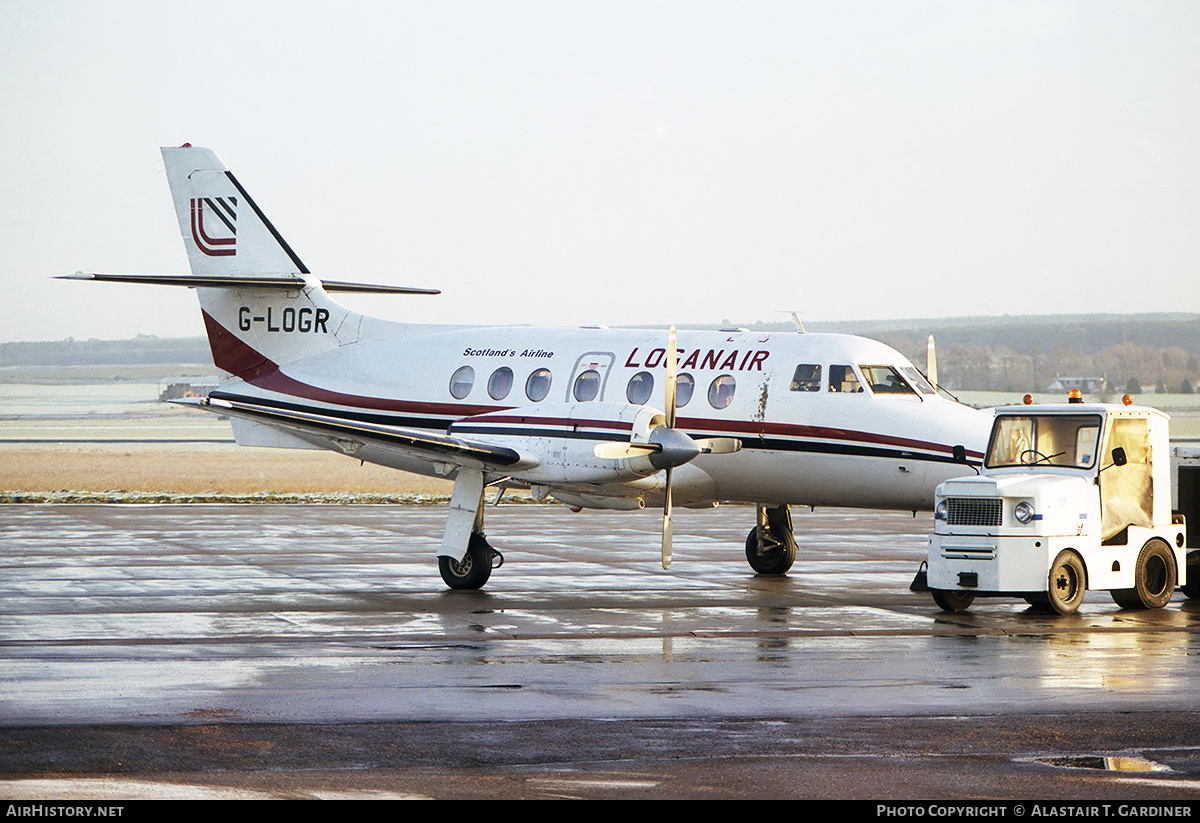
<point>337,614</point>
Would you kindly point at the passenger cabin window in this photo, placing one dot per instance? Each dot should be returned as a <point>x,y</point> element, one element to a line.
<point>500,383</point>
<point>461,382</point>
<point>842,379</point>
<point>720,391</point>
<point>640,387</point>
<point>885,380</point>
<point>538,385</point>
<point>685,387</point>
<point>587,386</point>
<point>806,378</point>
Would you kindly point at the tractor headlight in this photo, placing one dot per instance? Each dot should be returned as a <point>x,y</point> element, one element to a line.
<point>940,512</point>
<point>1023,511</point>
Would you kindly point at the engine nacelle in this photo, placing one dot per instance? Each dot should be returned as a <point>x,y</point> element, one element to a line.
<point>563,437</point>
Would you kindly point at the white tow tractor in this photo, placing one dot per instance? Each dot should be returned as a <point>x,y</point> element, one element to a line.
<point>1070,497</point>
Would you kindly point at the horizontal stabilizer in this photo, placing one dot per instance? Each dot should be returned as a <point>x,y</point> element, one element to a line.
<point>289,282</point>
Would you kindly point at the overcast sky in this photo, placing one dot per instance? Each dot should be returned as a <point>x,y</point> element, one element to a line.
<point>615,163</point>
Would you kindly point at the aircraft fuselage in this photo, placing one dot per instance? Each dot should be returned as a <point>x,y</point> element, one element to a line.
<point>803,441</point>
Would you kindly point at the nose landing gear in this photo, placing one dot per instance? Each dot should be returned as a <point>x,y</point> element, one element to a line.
<point>771,545</point>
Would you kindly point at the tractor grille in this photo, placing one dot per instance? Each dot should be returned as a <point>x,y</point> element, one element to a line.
<point>973,511</point>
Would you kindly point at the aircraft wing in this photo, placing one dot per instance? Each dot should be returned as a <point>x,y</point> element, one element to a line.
<point>351,436</point>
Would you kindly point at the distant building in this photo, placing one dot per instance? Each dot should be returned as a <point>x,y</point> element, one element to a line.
<point>176,388</point>
<point>1087,385</point>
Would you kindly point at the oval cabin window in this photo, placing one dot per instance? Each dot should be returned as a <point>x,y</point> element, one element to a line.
<point>500,383</point>
<point>538,385</point>
<point>461,382</point>
<point>685,387</point>
<point>640,387</point>
<point>720,392</point>
<point>587,386</point>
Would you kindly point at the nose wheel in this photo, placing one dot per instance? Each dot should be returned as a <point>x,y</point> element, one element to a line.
<point>771,545</point>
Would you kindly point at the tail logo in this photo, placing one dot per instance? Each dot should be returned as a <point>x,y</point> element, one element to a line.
<point>225,208</point>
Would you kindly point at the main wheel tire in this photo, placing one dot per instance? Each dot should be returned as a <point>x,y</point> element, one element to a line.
<point>1066,583</point>
<point>473,570</point>
<point>952,601</point>
<point>774,561</point>
<point>1154,578</point>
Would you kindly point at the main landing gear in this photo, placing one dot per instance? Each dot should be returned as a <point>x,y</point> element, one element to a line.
<point>464,526</point>
<point>475,567</point>
<point>771,545</point>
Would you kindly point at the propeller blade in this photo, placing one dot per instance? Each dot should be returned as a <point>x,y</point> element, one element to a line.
<point>669,403</point>
<point>624,451</point>
<point>666,535</point>
<point>719,445</point>
<point>669,384</point>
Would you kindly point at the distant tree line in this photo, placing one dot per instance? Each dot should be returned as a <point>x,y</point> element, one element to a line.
<point>1128,367</point>
<point>1135,353</point>
<point>145,348</point>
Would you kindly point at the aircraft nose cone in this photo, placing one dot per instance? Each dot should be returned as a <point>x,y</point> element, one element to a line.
<point>969,428</point>
<point>677,448</point>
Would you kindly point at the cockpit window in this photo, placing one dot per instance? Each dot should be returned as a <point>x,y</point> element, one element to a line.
<point>806,378</point>
<point>843,379</point>
<point>885,380</point>
<point>917,380</point>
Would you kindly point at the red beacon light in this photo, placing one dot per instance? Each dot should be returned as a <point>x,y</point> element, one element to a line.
<point>1075,396</point>
<point>1027,400</point>
<point>1127,399</point>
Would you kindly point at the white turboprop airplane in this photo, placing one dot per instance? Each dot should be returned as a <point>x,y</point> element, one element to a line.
<point>594,417</point>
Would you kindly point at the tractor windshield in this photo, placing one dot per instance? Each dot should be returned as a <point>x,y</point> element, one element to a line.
<point>1044,440</point>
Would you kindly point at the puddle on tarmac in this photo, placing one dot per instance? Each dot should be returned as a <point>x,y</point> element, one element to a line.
<point>1103,763</point>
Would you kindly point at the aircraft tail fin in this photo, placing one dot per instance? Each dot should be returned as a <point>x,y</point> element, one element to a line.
<point>262,307</point>
<point>223,229</point>
<point>248,278</point>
